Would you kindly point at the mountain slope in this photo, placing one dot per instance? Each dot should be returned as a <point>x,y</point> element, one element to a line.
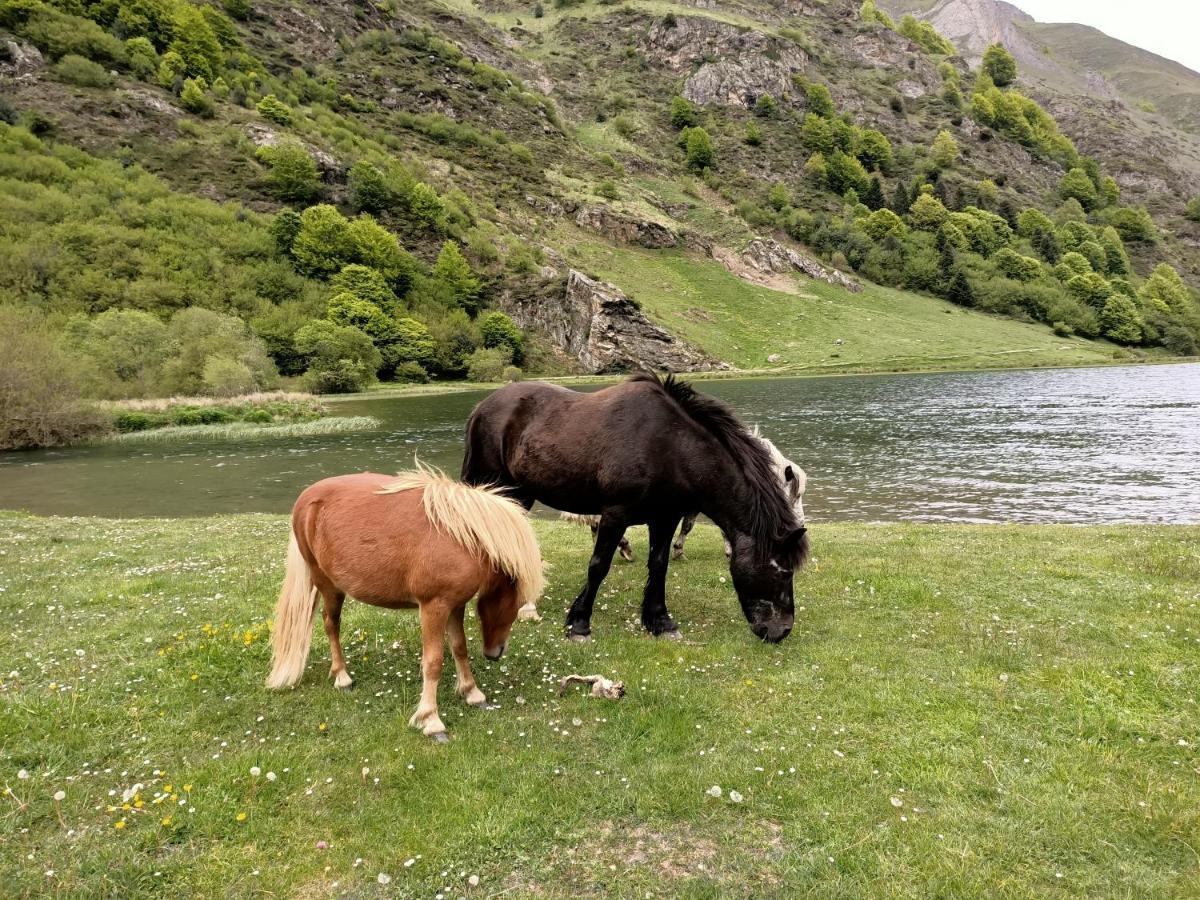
<point>469,155</point>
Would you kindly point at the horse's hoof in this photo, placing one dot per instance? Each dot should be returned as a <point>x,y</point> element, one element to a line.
<point>440,737</point>
<point>672,635</point>
<point>345,687</point>
<point>579,638</point>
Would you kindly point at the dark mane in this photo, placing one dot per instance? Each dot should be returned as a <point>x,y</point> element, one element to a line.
<point>771,515</point>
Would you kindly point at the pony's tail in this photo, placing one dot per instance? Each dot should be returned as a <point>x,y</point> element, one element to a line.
<point>292,634</point>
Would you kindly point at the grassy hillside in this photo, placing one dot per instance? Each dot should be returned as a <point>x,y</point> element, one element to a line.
<point>967,710</point>
<point>821,327</point>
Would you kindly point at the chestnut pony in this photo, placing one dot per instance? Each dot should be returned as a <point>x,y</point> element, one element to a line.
<point>416,539</point>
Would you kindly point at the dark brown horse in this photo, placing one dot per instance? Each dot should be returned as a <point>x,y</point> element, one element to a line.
<point>645,451</point>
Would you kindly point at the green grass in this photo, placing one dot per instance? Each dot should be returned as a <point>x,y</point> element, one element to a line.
<point>881,328</point>
<point>240,431</point>
<point>961,711</point>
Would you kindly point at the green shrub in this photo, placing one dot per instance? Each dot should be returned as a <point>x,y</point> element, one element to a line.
<point>683,113</point>
<point>999,65</point>
<point>83,72</point>
<point>58,34</point>
<point>498,330</point>
<point>488,364</point>
<point>608,190</point>
<point>411,373</point>
<point>274,110</point>
<point>294,175</point>
<point>194,98</point>
<point>40,403</point>
<point>698,149</point>
<point>135,421</point>
<point>1192,210</point>
<point>925,36</point>
<point>143,58</point>
<point>820,101</point>
<point>944,150</point>
<point>369,188</point>
<point>454,272</point>
<point>1134,225</point>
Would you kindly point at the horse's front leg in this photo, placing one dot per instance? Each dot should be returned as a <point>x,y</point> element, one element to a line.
<point>434,614</point>
<point>655,618</point>
<point>689,522</point>
<point>608,537</point>
<point>466,687</point>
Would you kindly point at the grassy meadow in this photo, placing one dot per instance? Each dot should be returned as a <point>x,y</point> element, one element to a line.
<point>961,711</point>
<point>881,329</point>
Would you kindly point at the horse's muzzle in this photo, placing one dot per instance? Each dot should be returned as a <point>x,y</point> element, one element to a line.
<point>494,653</point>
<point>772,631</point>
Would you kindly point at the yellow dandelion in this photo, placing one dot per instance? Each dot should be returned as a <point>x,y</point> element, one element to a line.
<point>322,727</point>
<point>195,677</point>
<point>187,788</point>
<point>138,804</point>
<point>241,817</point>
<point>126,807</point>
<point>167,788</point>
<point>119,824</point>
<point>166,822</point>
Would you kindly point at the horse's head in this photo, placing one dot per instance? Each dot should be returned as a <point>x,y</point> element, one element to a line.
<point>762,577</point>
<point>497,612</point>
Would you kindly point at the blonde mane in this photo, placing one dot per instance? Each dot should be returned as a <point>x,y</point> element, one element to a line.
<point>482,520</point>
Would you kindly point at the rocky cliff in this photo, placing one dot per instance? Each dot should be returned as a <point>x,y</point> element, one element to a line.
<point>597,325</point>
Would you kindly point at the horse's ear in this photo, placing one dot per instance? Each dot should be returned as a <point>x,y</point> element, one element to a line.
<point>789,474</point>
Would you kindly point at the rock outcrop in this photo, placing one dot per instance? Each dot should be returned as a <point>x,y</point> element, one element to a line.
<point>736,65</point>
<point>18,59</point>
<point>595,323</point>
<point>627,230</point>
<point>768,255</point>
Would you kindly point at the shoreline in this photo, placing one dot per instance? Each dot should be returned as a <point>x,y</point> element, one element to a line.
<point>393,391</point>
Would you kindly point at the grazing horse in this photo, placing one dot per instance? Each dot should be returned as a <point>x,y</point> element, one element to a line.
<point>645,451</point>
<point>417,539</point>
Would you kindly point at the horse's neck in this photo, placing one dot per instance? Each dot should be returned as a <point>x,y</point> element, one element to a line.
<point>725,493</point>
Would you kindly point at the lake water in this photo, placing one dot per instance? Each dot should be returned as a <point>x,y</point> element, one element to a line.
<point>1119,444</point>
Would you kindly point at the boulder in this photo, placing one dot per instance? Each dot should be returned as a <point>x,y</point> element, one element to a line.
<point>768,255</point>
<point>595,323</point>
<point>625,229</point>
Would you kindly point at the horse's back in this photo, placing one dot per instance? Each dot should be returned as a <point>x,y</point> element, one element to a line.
<point>379,548</point>
<point>573,450</point>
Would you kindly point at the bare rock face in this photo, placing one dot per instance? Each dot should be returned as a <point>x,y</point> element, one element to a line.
<point>613,225</point>
<point>595,323</point>
<point>736,65</point>
<point>768,255</point>
<point>18,59</point>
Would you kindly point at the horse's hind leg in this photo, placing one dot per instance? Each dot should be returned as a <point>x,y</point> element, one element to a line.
<point>333,630</point>
<point>466,687</point>
<point>434,614</point>
<point>689,522</point>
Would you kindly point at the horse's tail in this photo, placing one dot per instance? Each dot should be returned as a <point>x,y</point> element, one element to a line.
<point>470,465</point>
<point>484,522</point>
<point>292,633</point>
